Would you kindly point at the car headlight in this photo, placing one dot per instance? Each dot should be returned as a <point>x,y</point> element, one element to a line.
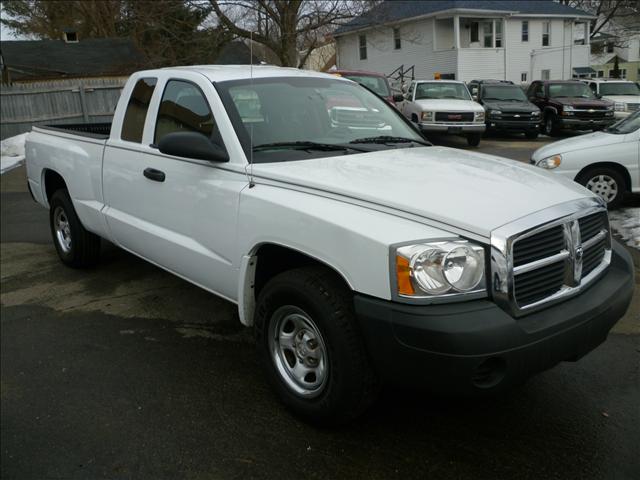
<point>536,113</point>
<point>619,107</point>
<point>479,116</point>
<point>550,163</point>
<point>495,112</point>
<point>427,116</point>
<point>436,269</point>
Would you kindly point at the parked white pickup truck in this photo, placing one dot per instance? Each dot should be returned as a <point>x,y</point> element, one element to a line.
<point>444,107</point>
<point>359,253</point>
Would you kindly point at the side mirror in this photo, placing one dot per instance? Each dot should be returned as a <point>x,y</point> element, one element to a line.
<point>598,95</point>
<point>192,145</point>
<point>475,97</point>
<point>398,98</point>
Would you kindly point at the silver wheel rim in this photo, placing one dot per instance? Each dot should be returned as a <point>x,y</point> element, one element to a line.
<point>62,229</point>
<point>298,351</point>
<point>604,186</point>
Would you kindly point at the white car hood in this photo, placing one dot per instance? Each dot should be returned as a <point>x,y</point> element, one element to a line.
<point>623,98</point>
<point>591,140</point>
<point>468,191</point>
<point>449,105</point>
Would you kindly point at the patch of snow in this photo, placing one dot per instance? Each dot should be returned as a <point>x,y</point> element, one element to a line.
<point>626,223</point>
<point>12,152</point>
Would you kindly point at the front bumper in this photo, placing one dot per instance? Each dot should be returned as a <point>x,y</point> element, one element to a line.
<point>453,128</point>
<point>620,115</point>
<point>584,124</point>
<point>475,347</point>
<point>523,126</point>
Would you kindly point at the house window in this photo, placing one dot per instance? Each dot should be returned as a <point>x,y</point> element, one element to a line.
<point>487,34</point>
<point>397,41</point>
<point>545,74</point>
<point>546,34</point>
<point>499,34</point>
<point>609,47</point>
<point>473,33</point>
<point>600,73</point>
<point>525,31</point>
<point>362,39</point>
<point>523,77</point>
<point>623,73</point>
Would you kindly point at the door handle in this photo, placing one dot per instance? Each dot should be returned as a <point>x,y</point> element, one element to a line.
<point>153,174</point>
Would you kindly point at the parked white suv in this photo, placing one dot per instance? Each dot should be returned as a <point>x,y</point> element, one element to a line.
<point>444,106</point>
<point>624,93</point>
<point>358,252</point>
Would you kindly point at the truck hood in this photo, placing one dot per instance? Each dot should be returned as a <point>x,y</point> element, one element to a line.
<point>468,191</point>
<point>523,106</point>
<point>579,102</point>
<point>582,142</point>
<point>449,105</point>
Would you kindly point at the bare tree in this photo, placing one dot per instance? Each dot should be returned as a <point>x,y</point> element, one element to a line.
<point>291,29</point>
<point>618,17</point>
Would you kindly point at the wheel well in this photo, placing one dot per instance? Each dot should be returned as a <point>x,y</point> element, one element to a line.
<point>414,117</point>
<point>52,182</point>
<point>613,166</point>
<point>275,259</point>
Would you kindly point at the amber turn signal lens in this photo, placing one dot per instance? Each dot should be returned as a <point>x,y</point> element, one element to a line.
<point>403,275</point>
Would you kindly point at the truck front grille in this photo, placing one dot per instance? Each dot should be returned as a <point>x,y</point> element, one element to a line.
<point>453,117</point>
<point>550,261</point>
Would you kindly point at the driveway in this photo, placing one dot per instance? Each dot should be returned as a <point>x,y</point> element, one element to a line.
<point>125,371</point>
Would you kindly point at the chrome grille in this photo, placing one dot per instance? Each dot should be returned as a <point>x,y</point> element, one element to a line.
<point>632,107</point>
<point>541,259</point>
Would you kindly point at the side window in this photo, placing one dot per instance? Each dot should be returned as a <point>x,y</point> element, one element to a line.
<point>136,113</point>
<point>184,109</point>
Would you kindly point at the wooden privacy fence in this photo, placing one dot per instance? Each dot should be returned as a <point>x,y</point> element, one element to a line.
<point>57,101</point>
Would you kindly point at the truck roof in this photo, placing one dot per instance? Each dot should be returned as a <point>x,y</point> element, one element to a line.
<point>220,73</point>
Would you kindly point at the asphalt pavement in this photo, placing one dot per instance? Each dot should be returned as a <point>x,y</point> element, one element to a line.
<point>125,371</point>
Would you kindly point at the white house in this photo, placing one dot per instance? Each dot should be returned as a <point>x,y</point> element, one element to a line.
<point>519,41</point>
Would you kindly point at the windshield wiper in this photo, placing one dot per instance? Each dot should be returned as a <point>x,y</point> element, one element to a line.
<point>304,145</point>
<point>389,139</point>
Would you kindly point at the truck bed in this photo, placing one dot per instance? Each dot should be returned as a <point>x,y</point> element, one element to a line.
<point>92,130</point>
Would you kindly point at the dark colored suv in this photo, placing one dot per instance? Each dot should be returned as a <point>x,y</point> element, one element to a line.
<point>374,81</point>
<point>507,108</point>
<point>569,104</point>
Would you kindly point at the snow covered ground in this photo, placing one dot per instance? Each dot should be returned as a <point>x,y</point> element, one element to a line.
<point>12,152</point>
<point>626,223</point>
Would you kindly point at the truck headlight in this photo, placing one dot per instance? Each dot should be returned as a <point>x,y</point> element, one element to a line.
<point>495,112</point>
<point>479,116</point>
<point>550,163</point>
<point>568,108</point>
<point>536,113</point>
<point>436,269</point>
<point>619,107</point>
<point>427,116</point>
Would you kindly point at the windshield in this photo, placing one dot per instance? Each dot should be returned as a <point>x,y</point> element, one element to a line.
<point>503,93</point>
<point>292,118</point>
<point>570,90</point>
<point>377,84</point>
<point>628,125</point>
<point>433,90</point>
<point>621,88</point>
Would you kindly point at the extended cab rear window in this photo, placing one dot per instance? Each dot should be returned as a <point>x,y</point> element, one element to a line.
<point>136,113</point>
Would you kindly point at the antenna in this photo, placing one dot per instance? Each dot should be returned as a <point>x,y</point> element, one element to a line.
<point>251,183</point>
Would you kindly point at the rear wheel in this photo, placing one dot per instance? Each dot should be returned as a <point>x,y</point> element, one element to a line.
<point>473,140</point>
<point>311,347</point>
<point>607,183</point>
<point>76,246</point>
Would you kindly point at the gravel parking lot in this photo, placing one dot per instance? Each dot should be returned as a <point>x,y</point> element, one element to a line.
<point>126,371</point>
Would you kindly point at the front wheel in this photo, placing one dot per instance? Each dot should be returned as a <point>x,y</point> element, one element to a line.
<point>311,347</point>
<point>550,127</point>
<point>607,183</point>
<point>76,247</point>
<point>473,140</point>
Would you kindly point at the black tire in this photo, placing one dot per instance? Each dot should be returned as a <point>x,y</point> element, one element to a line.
<point>83,249</point>
<point>550,125</point>
<point>603,186</point>
<point>414,118</point>
<point>349,385</point>
<point>531,134</point>
<point>473,140</point>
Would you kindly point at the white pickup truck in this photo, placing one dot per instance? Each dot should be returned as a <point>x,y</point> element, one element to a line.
<point>360,254</point>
